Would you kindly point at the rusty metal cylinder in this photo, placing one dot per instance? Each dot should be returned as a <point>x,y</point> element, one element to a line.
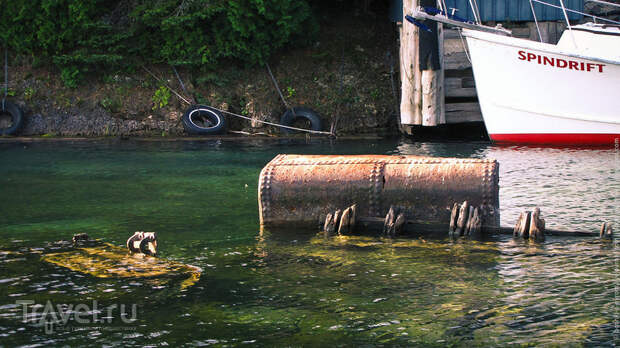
<point>300,190</point>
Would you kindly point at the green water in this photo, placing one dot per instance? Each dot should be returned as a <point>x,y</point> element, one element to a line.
<point>297,288</point>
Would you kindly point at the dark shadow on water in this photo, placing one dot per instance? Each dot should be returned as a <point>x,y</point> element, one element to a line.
<point>454,132</point>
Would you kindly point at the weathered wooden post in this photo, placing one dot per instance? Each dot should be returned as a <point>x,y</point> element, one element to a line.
<point>433,95</point>
<point>411,81</point>
<point>421,71</point>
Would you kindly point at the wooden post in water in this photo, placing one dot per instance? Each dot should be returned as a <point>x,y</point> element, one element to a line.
<point>411,80</point>
<point>422,90</point>
<point>433,97</point>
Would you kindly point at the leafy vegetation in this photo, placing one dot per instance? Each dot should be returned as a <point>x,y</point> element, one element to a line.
<point>82,36</point>
<point>290,92</point>
<point>111,104</point>
<point>161,98</point>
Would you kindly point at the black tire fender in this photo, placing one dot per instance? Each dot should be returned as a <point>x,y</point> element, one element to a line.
<point>301,112</point>
<point>17,118</point>
<point>202,119</point>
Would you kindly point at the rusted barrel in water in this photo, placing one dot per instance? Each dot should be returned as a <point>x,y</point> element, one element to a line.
<point>299,190</point>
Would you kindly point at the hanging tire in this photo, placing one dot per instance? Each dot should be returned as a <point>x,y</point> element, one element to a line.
<point>17,118</point>
<point>201,119</point>
<point>289,118</point>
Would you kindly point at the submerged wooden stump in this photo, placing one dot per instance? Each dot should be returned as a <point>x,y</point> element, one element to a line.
<point>522,228</point>
<point>462,219</point>
<point>341,222</point>
<point>474,225</point>
<point>454,217</point>
<point>394,221</point>
<point>607,231</point>
<point>347,221</point>
<point>399,223</point>
<point>332,222</point>
<point>530,226</point>
<point>329,225</point>
<point>465,220</point>
<point>537,226</point>
<point>390,217</point>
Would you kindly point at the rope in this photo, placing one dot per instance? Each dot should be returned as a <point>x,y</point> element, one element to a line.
<point>536,20</point>
<point>273,124</point>
<point>581,13</point>
<point>237,115</point>
<point>275,83</point>
<point>393,84</point>
<point>6,76</point>
<point>464,46</point>
<point>166,85</point>
<point>334,125</point>
<point>181,82</point>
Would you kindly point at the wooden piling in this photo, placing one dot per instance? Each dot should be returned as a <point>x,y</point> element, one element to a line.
<point>412,228</point>
<point>465,221</point>
<point>433,95</point>
<point>607,231</point>
<point>522,227</point>
<point>462,219</point>
<point>422,90</point>
<point>454,217</point>
<point>537,226</point>
<point>411,80</point>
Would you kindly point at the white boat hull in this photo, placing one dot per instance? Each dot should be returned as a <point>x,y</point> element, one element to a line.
<point>532,92</point>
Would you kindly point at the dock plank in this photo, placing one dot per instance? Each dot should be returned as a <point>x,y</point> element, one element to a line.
<point>460,87</point>
<point>463,112</point>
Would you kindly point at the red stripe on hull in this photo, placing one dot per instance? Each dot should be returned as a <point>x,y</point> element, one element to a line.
<point>553,138</point>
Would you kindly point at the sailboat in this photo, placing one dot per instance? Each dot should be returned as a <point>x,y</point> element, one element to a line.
<point>539,93</point>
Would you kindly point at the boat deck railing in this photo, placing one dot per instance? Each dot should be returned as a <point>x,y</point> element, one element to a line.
<point>594,18</point>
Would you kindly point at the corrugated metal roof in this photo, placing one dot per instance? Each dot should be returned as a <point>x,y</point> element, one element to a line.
<point>504,10</point>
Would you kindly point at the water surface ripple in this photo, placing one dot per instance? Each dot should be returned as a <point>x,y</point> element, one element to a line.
<point>296,288</point>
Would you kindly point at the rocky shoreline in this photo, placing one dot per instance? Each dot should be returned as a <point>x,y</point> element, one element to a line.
<point>346,77</point>
<point>69,123</point>
<point>349,77</point>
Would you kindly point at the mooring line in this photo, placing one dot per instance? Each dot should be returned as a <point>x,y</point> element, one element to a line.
<point>6,76</point>
<point>273,124</point>
<point>465,48</point>
<point>240,116</point>
<point>181,83</point>
<point>334,124</point>
<point>166,85</point>
<point>275,83</point>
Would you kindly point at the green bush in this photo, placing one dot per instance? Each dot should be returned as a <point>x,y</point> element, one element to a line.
<point>161,98</point>
<point>80,36</point>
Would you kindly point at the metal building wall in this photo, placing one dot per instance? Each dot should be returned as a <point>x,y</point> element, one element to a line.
<point>516,10</point>
<point>504,10</point>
